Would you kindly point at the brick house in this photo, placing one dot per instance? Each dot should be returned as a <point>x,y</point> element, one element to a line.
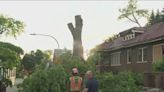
<point>135,49</point>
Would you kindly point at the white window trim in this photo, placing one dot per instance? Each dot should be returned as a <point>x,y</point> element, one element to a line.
<point>119,61</point>
<point>128,57</point>
<point>142,56</point>
<point>137,31</point>
<point>129,37</point>
<point>133,35</point>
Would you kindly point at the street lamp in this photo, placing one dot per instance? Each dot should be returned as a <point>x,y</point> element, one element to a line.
<point>52,38</point>
<point>48,36</point>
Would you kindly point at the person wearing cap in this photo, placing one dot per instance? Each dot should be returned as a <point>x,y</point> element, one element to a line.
<point>91,84</point>
<point>75,82</point>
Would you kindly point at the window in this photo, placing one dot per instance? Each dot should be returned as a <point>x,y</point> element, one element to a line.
<point>162,50</point>
<point>133,35</point>
<point>129,37</point>
<point>115,59</point>
<point>142,54</point>
<point>129,59</point>
<point>145,57</point>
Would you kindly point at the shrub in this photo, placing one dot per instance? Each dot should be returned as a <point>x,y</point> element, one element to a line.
<point>54,78</point>
<point>159,65</point>
<point>121,82</point>
<point>69,62</point>
<point>49,80</point>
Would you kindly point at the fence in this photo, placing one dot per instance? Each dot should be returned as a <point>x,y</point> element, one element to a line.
<point>154,80</point>
<point>7,73</point>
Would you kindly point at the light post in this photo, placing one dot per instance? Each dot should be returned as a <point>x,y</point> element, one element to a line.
<point>52,38</point>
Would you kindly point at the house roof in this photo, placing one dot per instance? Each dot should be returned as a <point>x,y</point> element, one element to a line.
<point>130,30</point>
<point>151,33</point>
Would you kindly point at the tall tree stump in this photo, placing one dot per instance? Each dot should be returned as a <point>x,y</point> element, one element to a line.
<point>77,39</point>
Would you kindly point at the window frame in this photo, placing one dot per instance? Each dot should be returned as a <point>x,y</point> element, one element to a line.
<point>163,50</point>
<point>142,55</point>
<point>128,55</point>
<point>113,63</point>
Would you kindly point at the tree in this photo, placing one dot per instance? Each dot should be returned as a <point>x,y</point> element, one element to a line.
<point>132,13</point>
<point>9,58</point>
<point>112,38</point>
<point>76,33</point>
<point>9,53</point>
<point>152,18</point>
<point>31,60</point>
<point>156,18</point>
<point>10,26</point>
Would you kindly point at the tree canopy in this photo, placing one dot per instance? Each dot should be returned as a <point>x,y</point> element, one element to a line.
<point>34,58</point>
<point>9,55</point>
<point>10,26</point>
<point>132,13</point>
<point>156,18</point>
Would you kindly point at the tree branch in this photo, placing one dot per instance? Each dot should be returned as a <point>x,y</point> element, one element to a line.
<point>130,19</point>
<point>135,19</point>
<point>71,28</point>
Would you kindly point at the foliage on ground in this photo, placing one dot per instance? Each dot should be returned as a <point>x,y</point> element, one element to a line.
<point>49,80</point>
<point>55,78</point>
<point>121,82</point>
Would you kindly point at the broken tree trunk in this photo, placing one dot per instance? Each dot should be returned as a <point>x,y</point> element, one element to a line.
<point>76,33</point>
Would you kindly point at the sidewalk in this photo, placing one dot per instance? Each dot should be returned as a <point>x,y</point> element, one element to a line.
<point>14,88</point>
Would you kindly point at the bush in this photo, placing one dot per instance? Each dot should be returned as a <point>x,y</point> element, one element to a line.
<point>159,65</point>
<point>50,80</point>
<point>54,78</point>
<point>122,82</point>
<point>69,62</point>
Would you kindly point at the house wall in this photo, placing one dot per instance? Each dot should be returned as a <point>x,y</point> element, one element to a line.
<point>104,63</point>
<point>134,66</point>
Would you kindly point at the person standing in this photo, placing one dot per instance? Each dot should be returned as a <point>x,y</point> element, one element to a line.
<point>91,84</point>
<point>75,82</point>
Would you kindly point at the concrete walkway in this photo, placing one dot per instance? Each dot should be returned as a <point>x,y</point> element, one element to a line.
<point>14,88</point>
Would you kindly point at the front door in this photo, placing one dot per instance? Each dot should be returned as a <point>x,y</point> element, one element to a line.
<point>158,52</point>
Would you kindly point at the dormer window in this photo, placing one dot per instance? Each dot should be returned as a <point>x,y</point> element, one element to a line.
<point>129,37</point>
<point>131,33</point>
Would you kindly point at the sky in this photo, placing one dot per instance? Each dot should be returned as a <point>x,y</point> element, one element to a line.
<point>100,20</point>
